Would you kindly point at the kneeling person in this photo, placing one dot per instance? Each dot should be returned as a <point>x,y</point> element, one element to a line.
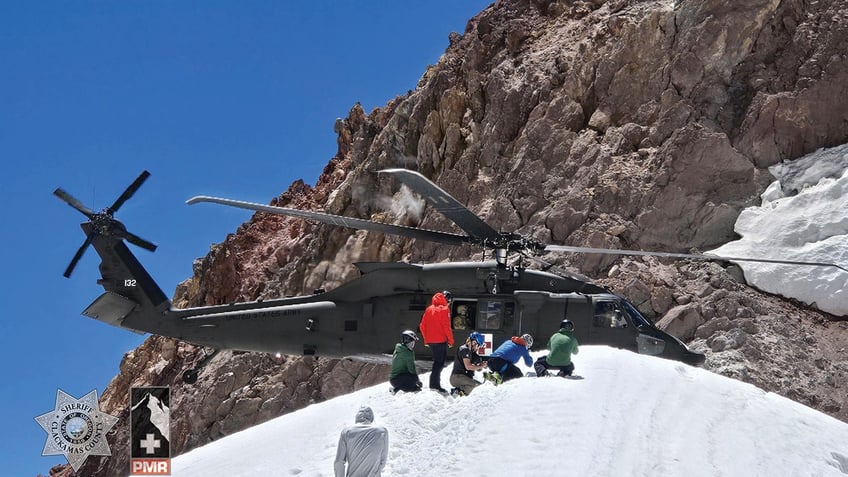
<point>404,376</point>
<point>467,361</point>
<point>502,361</point>
<point>562,345</point>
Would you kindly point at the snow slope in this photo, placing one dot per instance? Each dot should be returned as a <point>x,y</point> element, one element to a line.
<point>632,415</point>
<point>803,216</point>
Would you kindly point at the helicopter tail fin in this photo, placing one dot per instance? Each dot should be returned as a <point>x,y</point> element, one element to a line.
<point>111,308</point>
<point>130,291</point>
<point>131,296</point>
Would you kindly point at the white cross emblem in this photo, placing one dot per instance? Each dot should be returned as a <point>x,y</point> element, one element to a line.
<point>150,444</point>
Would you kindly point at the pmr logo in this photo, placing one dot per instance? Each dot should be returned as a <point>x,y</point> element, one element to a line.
<point>150,425</point>
<point>76,428</point>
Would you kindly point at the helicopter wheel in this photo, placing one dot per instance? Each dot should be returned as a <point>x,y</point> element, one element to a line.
<point>190,376</point>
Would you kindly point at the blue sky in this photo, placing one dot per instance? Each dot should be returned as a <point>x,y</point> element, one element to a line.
<point>224,98</point>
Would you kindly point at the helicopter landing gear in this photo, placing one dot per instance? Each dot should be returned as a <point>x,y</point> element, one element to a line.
<point>190,375</point>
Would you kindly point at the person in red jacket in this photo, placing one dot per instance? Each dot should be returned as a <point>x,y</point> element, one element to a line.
<point>436,329</point>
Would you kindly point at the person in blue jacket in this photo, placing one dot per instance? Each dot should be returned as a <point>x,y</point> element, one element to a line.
<point>502,361</point>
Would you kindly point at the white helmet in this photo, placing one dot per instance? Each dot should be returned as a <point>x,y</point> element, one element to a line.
<point>408,337</point>
<point>527,339</point>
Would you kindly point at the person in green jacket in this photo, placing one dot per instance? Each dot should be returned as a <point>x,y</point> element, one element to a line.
<point>562,345</point>
<point>403,376</point>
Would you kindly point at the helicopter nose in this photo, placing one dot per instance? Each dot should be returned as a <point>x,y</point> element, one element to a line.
<point>693,358</point>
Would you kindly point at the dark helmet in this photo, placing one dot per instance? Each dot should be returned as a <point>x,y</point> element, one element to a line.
<point>408,336</point>
<point>448,296</point>
<point>566,324</point>
<point>476,337</point>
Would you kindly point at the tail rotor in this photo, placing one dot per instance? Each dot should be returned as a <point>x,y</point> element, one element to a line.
<point>103,223</point>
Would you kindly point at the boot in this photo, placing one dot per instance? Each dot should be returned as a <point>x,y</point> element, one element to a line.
<point>540,370</point>
<point>494,377</point>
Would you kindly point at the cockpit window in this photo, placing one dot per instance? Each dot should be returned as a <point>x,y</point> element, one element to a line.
<point>608,315</point>
<point>634,314</point>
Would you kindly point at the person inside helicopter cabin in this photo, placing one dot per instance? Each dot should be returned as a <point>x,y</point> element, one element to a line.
<point>561,345</point>
<point>468,360</point>
<point>461,321</point>
<point>502,360</point>
<point>403,376</point>
<point>607,315</point>
<point>436,329</point>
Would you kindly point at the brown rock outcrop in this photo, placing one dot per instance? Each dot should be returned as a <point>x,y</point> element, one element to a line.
<point>622,123</point>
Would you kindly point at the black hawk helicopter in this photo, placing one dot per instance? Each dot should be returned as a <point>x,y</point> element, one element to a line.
<point>362,319</point>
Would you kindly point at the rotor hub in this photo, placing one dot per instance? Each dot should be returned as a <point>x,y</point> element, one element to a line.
<point>103,223</point>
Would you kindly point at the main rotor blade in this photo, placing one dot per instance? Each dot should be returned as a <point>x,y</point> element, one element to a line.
<point>136,240</point>
<point>613,251</point>
<point>354,223</point>
<point>129,191</point>
<point>446,204</point>
<point>587,287</point>
<point>73,202</point>
<point>77,257</point>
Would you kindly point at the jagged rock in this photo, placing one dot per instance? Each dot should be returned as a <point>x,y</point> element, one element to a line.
<point>605,123</point>
<point>682,321</point>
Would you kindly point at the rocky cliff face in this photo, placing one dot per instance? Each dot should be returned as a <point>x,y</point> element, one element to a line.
<point>627,124</point>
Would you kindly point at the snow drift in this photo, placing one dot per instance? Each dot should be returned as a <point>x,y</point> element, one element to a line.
<point>802,217</point>
<point>632,415</point>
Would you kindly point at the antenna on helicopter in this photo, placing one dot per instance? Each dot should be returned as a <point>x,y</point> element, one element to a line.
<point>103,223</point>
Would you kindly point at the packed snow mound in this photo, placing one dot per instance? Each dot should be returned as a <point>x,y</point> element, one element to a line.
<point>631,415</point>
<point>803,216</point>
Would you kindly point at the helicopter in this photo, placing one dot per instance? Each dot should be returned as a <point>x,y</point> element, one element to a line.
<point>363,318</point>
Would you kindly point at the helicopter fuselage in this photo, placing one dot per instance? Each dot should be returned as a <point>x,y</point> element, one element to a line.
<point>365,316</point>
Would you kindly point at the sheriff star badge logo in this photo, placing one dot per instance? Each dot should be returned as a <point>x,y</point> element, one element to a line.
<point>76,428</point>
